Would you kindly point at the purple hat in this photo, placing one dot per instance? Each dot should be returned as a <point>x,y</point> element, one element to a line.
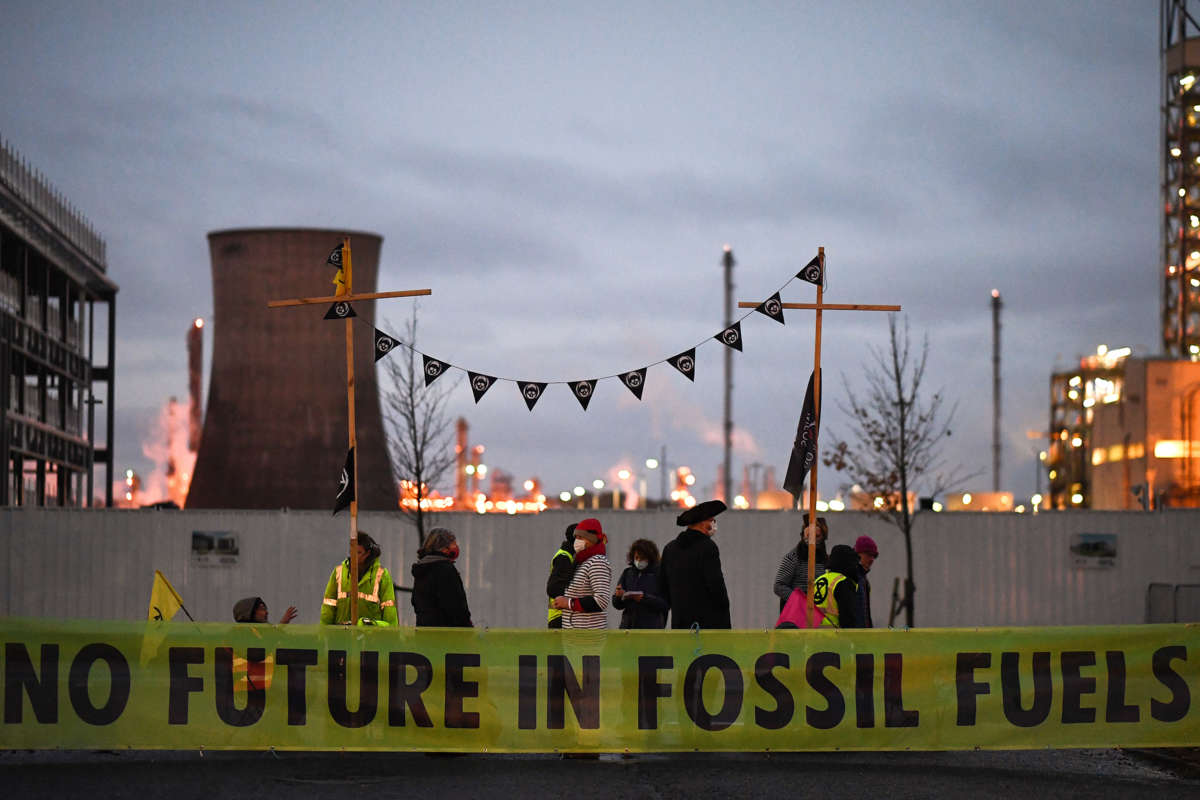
<point>865,544</point>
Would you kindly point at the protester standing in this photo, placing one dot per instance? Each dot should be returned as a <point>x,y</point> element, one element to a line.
<point>584,602</point>
<point>376,594</point>
<point>637,593</point>
<point>438,596</point>
<point>836,593</point>
<point>690,578</point>
<point>562,567</point>
<point>793,568</point>
<point>867,552</point>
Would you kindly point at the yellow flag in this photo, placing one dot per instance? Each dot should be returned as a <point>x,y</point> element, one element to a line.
<point>164,600</point>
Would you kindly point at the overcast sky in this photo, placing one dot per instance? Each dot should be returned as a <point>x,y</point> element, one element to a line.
<point>563,176</point>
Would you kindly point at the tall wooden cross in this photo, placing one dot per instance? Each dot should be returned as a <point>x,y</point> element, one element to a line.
<point>345,294</point>
<point>818,306</point>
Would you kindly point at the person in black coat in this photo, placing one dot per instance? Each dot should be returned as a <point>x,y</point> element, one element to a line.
<point>690,577</point>
<point>637,593</point>
<point>438,597</point>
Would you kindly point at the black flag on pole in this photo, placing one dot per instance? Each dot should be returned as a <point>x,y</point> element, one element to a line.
<point>804,449</point>
<point>812,271</point>
<point>383,344</point>
<point>685,362</point>
<point>345,491</point>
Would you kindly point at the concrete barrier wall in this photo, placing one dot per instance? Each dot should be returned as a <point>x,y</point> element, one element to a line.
<point>971,569</point>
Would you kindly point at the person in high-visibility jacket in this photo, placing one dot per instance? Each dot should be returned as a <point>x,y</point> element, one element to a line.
<point>836,592</point>
<point>376,594</point>
<point>562,567</point>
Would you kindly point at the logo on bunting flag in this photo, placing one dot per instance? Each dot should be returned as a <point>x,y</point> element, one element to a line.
<point>383,344</point>
<point>635,381</point>
<point>340,310</point>
<point>731,336</point>
<point>480,383</point>
<point>583,391</point>
<point>434,370</point>
<point>685,362</point>
<point>531,391</point>
<point>772,307</point>
<point>812,271</point>
<point>804,449</point>
<point>345,493</point>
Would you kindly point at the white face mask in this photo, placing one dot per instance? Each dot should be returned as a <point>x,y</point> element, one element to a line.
<point>580,544</point>
<point>637,562</point>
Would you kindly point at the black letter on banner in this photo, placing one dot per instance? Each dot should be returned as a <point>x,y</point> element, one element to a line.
<point>1117,709</point>
<point>296,683</point>
<point>401,693</point>
<point>785,706</point>
<point>968,688</point>
<point>526,692</point>
<point>1010,688</point>
<point>1075,686</point>
<point>649,689</point>
<point>1181,696</point>
<point>814,671</point>
<point>256,696</point>
<point>895,715</point>
<point>19,674</point>
<point>182,684</point>
<point>458,688</point>
<point>368,689</point>
<point>118,692</point>
<point>864,690</point>
<point>693,695</point>
<point>585,697</point>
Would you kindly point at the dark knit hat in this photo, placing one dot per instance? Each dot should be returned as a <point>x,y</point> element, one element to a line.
<point>865,544</point>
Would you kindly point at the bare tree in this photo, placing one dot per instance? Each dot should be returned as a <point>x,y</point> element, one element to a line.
<point>419,430</point>
<point>895,444</point>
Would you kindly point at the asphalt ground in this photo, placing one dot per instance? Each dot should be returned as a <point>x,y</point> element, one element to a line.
<point>977,775</point>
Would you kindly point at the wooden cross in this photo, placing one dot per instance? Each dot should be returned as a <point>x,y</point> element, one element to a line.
<point>345,294</point>
<point>818,306</point>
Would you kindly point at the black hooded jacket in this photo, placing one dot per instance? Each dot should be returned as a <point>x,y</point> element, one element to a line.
<point>843,559</point>
<point>691,581</point>
<point>438,596</point>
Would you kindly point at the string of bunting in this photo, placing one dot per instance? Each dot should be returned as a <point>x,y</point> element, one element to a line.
<point>584,390</point>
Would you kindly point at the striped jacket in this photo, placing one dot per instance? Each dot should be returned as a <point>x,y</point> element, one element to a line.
<point>793,572</point>
<point>592,580</point>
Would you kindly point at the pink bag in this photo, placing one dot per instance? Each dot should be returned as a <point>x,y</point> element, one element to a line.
<point>795,612</point>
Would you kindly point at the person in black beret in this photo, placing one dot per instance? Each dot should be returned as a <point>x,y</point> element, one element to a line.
<point>690,577</point>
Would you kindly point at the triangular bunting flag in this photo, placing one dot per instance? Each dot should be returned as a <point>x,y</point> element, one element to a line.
<point>731,336</point>
<point>434,370</point>
<point>531,391</point>
<point>480,383</point>
<point>812,271</point>
<point>335,256</point>
<point>772,307</point>
<point>685,362</point>
<point>583,391</point>
<point>340,310</point>
<point>383,344</point>
<point>635,381</point>
<point>345,484</point>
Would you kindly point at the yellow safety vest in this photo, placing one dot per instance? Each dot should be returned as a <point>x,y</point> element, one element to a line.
<point>555,613</point>
<point>376,597</point>
<point>823,596</point>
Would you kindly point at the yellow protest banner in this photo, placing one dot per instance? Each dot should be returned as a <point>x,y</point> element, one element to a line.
<point>80,684</point>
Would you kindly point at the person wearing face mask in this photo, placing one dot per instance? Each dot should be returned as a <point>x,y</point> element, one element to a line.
<point>585,601</point>
<point>637,589</point>
<point>690,579</point>
<point>376,594</point>
<point>438,596</point>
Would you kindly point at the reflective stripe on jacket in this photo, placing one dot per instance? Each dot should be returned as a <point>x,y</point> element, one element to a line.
<point>376,596</point>
<point>823,588</point>
<point>555,613</point>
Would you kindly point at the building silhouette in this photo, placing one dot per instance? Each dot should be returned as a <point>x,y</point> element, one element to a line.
<point>275,427</point>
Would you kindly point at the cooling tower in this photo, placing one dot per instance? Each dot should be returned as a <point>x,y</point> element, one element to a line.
<point>275,428</point>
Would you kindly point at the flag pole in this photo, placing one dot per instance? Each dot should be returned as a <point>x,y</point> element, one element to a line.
<point>348,274</point>
<point>812,481</point>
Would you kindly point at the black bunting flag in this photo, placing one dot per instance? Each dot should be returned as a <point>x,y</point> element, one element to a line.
<point>531,391</point>
<point>731,336</point>
<point>635,381</point>
<point>383,344</point>
<point>345,491</point>
<point>685,362</point>
<point>434,369</point>
<point>804,449</point>
<point>335,256</point>
<point>812,271</point>
<point>480,383</point>
<point>340,310</point>
<point>772,307</point>
<point>583,391</point>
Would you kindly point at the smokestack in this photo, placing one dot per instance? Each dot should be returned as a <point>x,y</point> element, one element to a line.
<point>460,465</point>
<point>195,348</point>
<point>728,262</point>
<point>996,306</point>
